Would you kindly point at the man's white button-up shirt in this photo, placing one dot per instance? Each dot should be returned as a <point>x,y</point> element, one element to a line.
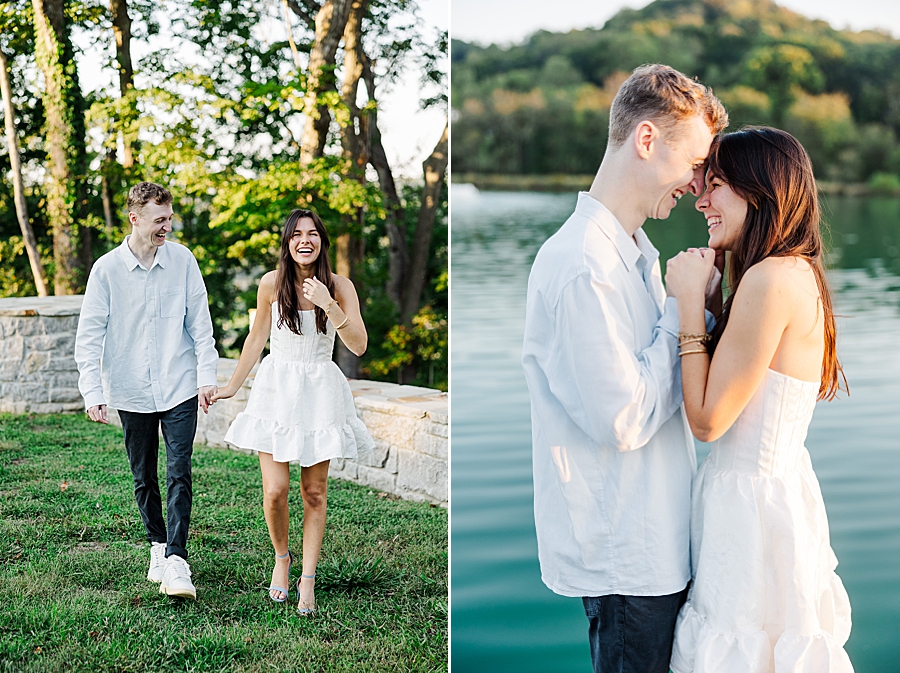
<point>612,454</point>
<point>145,339</point>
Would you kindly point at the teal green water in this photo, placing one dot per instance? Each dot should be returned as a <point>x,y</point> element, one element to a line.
<point>502,617</point>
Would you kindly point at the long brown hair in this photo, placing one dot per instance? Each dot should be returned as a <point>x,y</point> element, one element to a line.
<point>770,170</point>
<point>286,278</point>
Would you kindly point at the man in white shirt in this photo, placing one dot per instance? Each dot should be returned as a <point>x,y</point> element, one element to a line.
<point>145,347</point>
<point>613,456</point>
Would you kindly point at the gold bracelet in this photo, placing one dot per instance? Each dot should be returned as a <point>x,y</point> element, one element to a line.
<point>698,350</point>
<point>346,320</point>
<point>330,305</point>
<point>689,336</point>
<point>690,341</point>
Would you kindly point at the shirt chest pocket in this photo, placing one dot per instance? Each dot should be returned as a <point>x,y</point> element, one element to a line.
<point>171,302</point>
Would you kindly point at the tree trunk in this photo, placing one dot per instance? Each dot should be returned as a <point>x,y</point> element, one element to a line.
<point>121,23</point>
<point>34,258</point>
<point>64,138</point>
<point>330,22</point>
<point>398,257</point>
<point>435,167</point>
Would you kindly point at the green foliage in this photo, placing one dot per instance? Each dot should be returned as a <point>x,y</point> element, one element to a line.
<point>885,183</point>
<point>217,112</point>
<point>422,345</point>
<point>542,106</point>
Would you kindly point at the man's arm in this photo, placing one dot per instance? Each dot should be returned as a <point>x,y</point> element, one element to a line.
<point>92,325</point>
<point>198,324</point>
<point>616,396</point>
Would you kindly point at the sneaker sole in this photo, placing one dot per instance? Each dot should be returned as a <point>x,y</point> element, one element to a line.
<point>155,580</point>
<point>181,593</point>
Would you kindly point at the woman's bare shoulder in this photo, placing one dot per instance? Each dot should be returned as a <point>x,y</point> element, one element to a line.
<point>267,285</point>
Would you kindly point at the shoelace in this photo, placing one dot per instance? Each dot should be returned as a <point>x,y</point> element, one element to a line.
<point>180,567</point>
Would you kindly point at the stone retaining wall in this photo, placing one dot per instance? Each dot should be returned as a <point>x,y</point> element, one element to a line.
<point>409,424</point>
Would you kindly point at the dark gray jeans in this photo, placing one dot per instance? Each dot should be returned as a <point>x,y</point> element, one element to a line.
<point>179,425</point>
<point>632,634</point>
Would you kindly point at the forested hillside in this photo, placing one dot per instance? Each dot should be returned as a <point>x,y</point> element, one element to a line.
<point>542,106</point>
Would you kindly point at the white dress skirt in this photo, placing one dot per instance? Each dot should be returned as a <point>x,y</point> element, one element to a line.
<point>765,597</point>
<point>300,407</point>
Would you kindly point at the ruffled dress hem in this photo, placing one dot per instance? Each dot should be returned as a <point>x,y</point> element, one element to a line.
<point>701,649</point>
<point>308,447</point>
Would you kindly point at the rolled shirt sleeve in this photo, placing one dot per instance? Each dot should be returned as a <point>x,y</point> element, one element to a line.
<point>89,337</point>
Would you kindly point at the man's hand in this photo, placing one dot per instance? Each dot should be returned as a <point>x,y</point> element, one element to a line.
<point>205,395</point>
<point>97,414</point>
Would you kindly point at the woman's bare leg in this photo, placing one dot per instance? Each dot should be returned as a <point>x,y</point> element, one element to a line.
<point>314,489</point>
<point>276,479</point>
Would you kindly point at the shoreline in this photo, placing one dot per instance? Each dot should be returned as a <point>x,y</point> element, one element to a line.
<point>564,182</point>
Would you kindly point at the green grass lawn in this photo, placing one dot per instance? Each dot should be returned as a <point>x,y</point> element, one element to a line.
<point>73,562</point>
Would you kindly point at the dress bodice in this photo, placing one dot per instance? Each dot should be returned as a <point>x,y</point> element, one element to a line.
<point>767,439</point>
<point>310,347</point>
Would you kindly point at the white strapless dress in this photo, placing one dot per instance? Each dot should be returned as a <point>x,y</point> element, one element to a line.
<point>300,406</point>
<point>765,597</point>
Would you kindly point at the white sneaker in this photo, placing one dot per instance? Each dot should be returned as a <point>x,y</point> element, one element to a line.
<point>176,579</point>
<point>157,561</point>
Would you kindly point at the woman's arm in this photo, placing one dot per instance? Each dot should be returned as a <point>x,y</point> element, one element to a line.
<point>716,392</point>
<point>256,340</point>
<point>343,313</point>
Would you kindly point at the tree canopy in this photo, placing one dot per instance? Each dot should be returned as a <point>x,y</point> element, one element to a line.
<point>542,106</point>
<point>245,111</point>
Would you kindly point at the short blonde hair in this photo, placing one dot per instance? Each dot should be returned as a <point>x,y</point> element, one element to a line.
<point>661,94</point>
<point>145,192</point>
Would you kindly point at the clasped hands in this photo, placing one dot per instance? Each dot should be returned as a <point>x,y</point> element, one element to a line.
<point>696,272</point>
<point>206,395</point>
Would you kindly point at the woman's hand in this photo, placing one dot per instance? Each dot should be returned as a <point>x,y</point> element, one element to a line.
<point>316,292</point>
<point>688,273</point>
<point>222,394</point>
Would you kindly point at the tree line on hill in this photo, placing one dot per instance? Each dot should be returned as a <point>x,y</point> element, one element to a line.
<point>542,106</point>
<point>245,111</point>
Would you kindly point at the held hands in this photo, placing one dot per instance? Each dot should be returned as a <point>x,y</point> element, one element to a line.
<point>692,273</point>
<point>98,414</point>
<point>222,394</point>
<point>205,396</point>
<point>316,292</point>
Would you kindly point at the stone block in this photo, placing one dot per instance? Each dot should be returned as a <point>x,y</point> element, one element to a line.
<point>9,406</point>
<point>12,347</point>
<point>421,473</point>
<point>376,478</point>
<point>10,369</point>
<point>439,417</point>
<point>66,395</point>
<point>36,360</point>
<point>390,465</point>
<point>61,379</point>
<point>376,457</point>
<point>439,429</point>
<point>431,445</point>
<point>63,362</point>
<point>392,430</point>
<point>348,472</point>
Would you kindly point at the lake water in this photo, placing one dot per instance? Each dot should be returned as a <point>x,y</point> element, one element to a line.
<point>503,618</point>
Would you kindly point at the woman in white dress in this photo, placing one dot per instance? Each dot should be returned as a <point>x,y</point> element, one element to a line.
<point>765,597</point>
<point>300,407</point>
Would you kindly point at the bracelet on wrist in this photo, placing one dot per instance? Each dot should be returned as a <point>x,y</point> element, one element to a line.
<point>685,337</point>
<point>343,323</point>
<point>691,352</point>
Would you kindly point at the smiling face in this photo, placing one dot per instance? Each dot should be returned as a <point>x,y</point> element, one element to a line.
<point>306,243</point>
<point>150,224</point>
<point>677,166</point>
<point>725,213</point>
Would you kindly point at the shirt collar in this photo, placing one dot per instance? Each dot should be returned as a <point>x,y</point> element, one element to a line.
<point>629,249</point>
<point>131,261</point>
